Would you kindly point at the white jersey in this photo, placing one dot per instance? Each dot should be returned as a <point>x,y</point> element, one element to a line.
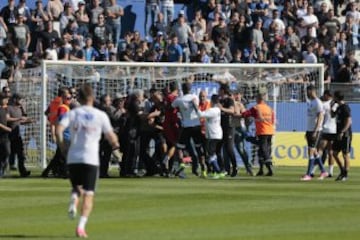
<point>189,117</point>
<point>314,108</point>
<point>329,125</point>
<point>86,125</point>
<point>213,123</point>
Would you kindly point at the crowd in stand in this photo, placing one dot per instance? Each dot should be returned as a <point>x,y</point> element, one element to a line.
<point>226,31</point>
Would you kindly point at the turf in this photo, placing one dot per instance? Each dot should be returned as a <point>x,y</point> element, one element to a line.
<point>280,207</point>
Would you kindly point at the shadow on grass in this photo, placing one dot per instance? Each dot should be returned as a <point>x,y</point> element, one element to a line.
<point>24,236</point>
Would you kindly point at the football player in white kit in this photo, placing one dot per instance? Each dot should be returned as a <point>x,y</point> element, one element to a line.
<point>315,116</point>
<point>86,125</point>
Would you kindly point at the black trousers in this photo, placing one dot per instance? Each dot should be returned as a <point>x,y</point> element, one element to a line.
<point>105,156</point>
<point>17,149</point>
<point>265,148</point>
<point>4,154</point>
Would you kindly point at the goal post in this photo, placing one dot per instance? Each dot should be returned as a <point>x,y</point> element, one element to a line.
<point>284,83</point>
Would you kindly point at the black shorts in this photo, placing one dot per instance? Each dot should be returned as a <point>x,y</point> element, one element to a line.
<point>312,142</point>
<point>84,175</point>
<point>343,145</point>
<point>211,146</point>
<point>328,136</point>
<point>187,133</point>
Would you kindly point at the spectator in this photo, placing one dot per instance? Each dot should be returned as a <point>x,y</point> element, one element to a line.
<point>24,10</point>
<point>342,45</point>
<point>46,37</point>
<point>167,9</point>
<point>335,62</point>
<point>76,53</point>
<point>221,56</point>
<point>324,37</point>
<point>39,17</point>
<point>159,41</point>
<point>21,34</point>
<point>66,17</point>
<point>199,27</point>
<point>82,19</point>
<point>323,14</point>
<point>152,8</point>
<point>220,33</point>
<point>292,40</point>
<point>311,21</point>
<point>159,26</point>
<point>101,31</point>
<point>94,14</point>
<point>54,9</point>
<point>8,14</point>
<point>241,34</point>
<point>89,50</point>
<point>288,14</point>
<point>351,28</point>
<point>175,51</point>
<point>309,56</point>
<point>257,35</point>
<point>184,35</point>
<point>113,19</point>
<point>332,23</point>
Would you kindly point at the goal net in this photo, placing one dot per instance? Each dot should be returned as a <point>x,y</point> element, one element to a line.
<point>284,84</point>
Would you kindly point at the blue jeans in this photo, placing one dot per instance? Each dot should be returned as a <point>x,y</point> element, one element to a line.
<point>168,14</point>
<point>152,11</point>
<point>115,33</point>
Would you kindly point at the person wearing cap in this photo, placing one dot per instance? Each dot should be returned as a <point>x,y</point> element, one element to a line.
<point>25,10</point>
<point>17,116</point>
<point>21,34</point>
<point>82,18</point>
<point>167,9</point>
<point>220,33</point>
<point>265,128</point>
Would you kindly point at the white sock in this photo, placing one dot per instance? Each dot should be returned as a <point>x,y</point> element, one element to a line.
<point>82,222</point>
<point>314,169</point>
<point>73,197</point>
<point>331,169</point>
<point>165,160</point>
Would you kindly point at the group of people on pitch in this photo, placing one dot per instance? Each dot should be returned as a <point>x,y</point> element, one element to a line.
<point>328,134</point>
<point>180,125</point>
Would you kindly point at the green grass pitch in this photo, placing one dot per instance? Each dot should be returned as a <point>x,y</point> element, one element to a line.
<point>280,207</point>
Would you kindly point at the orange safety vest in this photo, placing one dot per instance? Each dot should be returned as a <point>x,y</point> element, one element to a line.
<point>264,119</point>
<point>52,111</point>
